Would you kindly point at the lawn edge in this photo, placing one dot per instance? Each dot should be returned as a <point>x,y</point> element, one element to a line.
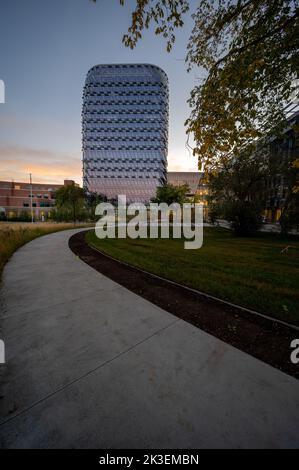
<point>201,293</point>
<point>256,335</point>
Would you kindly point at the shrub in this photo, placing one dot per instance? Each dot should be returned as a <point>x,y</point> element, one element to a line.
<point>244,216</point>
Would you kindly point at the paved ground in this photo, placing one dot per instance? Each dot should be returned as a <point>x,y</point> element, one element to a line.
<point>268,228</point>
<point>90,364</point>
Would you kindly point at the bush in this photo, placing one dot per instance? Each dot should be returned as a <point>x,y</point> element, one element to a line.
<point>245,217</point>
<point>65,214</point>
<point>21,217</point>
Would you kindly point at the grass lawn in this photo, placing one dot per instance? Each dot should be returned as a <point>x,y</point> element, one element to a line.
<point>247,271</point>
<point>14,234</point>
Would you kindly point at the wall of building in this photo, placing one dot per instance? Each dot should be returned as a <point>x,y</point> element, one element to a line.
<point>196,182</point>
<point>15,198</point>
<point>282,150</point>
<point>125,130</point>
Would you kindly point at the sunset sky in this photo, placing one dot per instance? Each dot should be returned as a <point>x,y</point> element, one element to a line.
<point>46,49</point>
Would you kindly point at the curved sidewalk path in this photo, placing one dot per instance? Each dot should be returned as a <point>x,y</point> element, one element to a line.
<point>90,364</point>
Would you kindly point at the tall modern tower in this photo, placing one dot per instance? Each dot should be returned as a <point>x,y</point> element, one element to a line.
<point>125,130</point>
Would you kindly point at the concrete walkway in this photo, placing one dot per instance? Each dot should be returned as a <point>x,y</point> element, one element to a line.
<point>90,364</point>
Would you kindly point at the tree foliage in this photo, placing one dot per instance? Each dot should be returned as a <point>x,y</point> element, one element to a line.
<point>166,15</point>
<point>237,192</point>
<point>92,199</point>
<point>70,198</point>
<point>249,49</point>
<point>170,194</point>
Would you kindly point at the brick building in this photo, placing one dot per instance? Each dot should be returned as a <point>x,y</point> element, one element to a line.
<point>16,198</point>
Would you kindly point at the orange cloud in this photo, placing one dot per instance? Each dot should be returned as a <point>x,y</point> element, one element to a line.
<point>16,162</point>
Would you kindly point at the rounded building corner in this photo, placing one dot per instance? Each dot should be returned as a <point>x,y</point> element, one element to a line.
<point>160,71</point>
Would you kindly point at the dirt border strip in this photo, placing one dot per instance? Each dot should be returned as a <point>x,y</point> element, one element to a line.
<point>204,294</point>
<point>256,334</point>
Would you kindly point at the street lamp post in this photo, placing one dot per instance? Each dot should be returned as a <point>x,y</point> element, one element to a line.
<point>31,207</point>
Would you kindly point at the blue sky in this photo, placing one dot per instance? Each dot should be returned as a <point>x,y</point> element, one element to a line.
<point>46,49</point>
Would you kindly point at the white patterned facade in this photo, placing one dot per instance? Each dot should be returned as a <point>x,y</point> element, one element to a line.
<point>125,130</point>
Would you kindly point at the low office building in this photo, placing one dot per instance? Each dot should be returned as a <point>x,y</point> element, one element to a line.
<point>18,199</point>
<point>282,150</point>
<point>190,178</point>
<point>197,185</point>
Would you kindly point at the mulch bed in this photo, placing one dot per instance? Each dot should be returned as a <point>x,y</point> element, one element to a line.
<point>264,339</point>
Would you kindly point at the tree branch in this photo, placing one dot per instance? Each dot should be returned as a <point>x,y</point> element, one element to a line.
<point>258,40</point>
<point>228,19</point>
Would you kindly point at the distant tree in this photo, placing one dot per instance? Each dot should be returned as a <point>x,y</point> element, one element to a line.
<point>92,199</point>
<point>237,192</point>
<point>249,50</point>
<point>70,197</point>
<point>170,194</point>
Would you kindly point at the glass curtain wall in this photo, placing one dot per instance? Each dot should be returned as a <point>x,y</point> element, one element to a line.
<point>125,130</point>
